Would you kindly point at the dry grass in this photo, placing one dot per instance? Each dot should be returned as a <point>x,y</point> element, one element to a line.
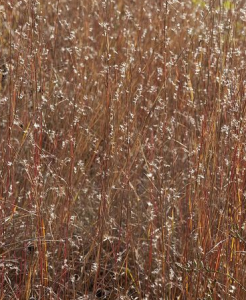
<point>122,155</point>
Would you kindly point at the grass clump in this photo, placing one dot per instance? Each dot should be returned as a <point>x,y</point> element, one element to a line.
<point>122,155</point>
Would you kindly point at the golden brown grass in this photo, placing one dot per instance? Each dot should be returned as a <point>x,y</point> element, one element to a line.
<point>122,155</point>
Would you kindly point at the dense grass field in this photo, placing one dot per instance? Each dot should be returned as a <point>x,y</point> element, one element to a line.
<point>123,149</point>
